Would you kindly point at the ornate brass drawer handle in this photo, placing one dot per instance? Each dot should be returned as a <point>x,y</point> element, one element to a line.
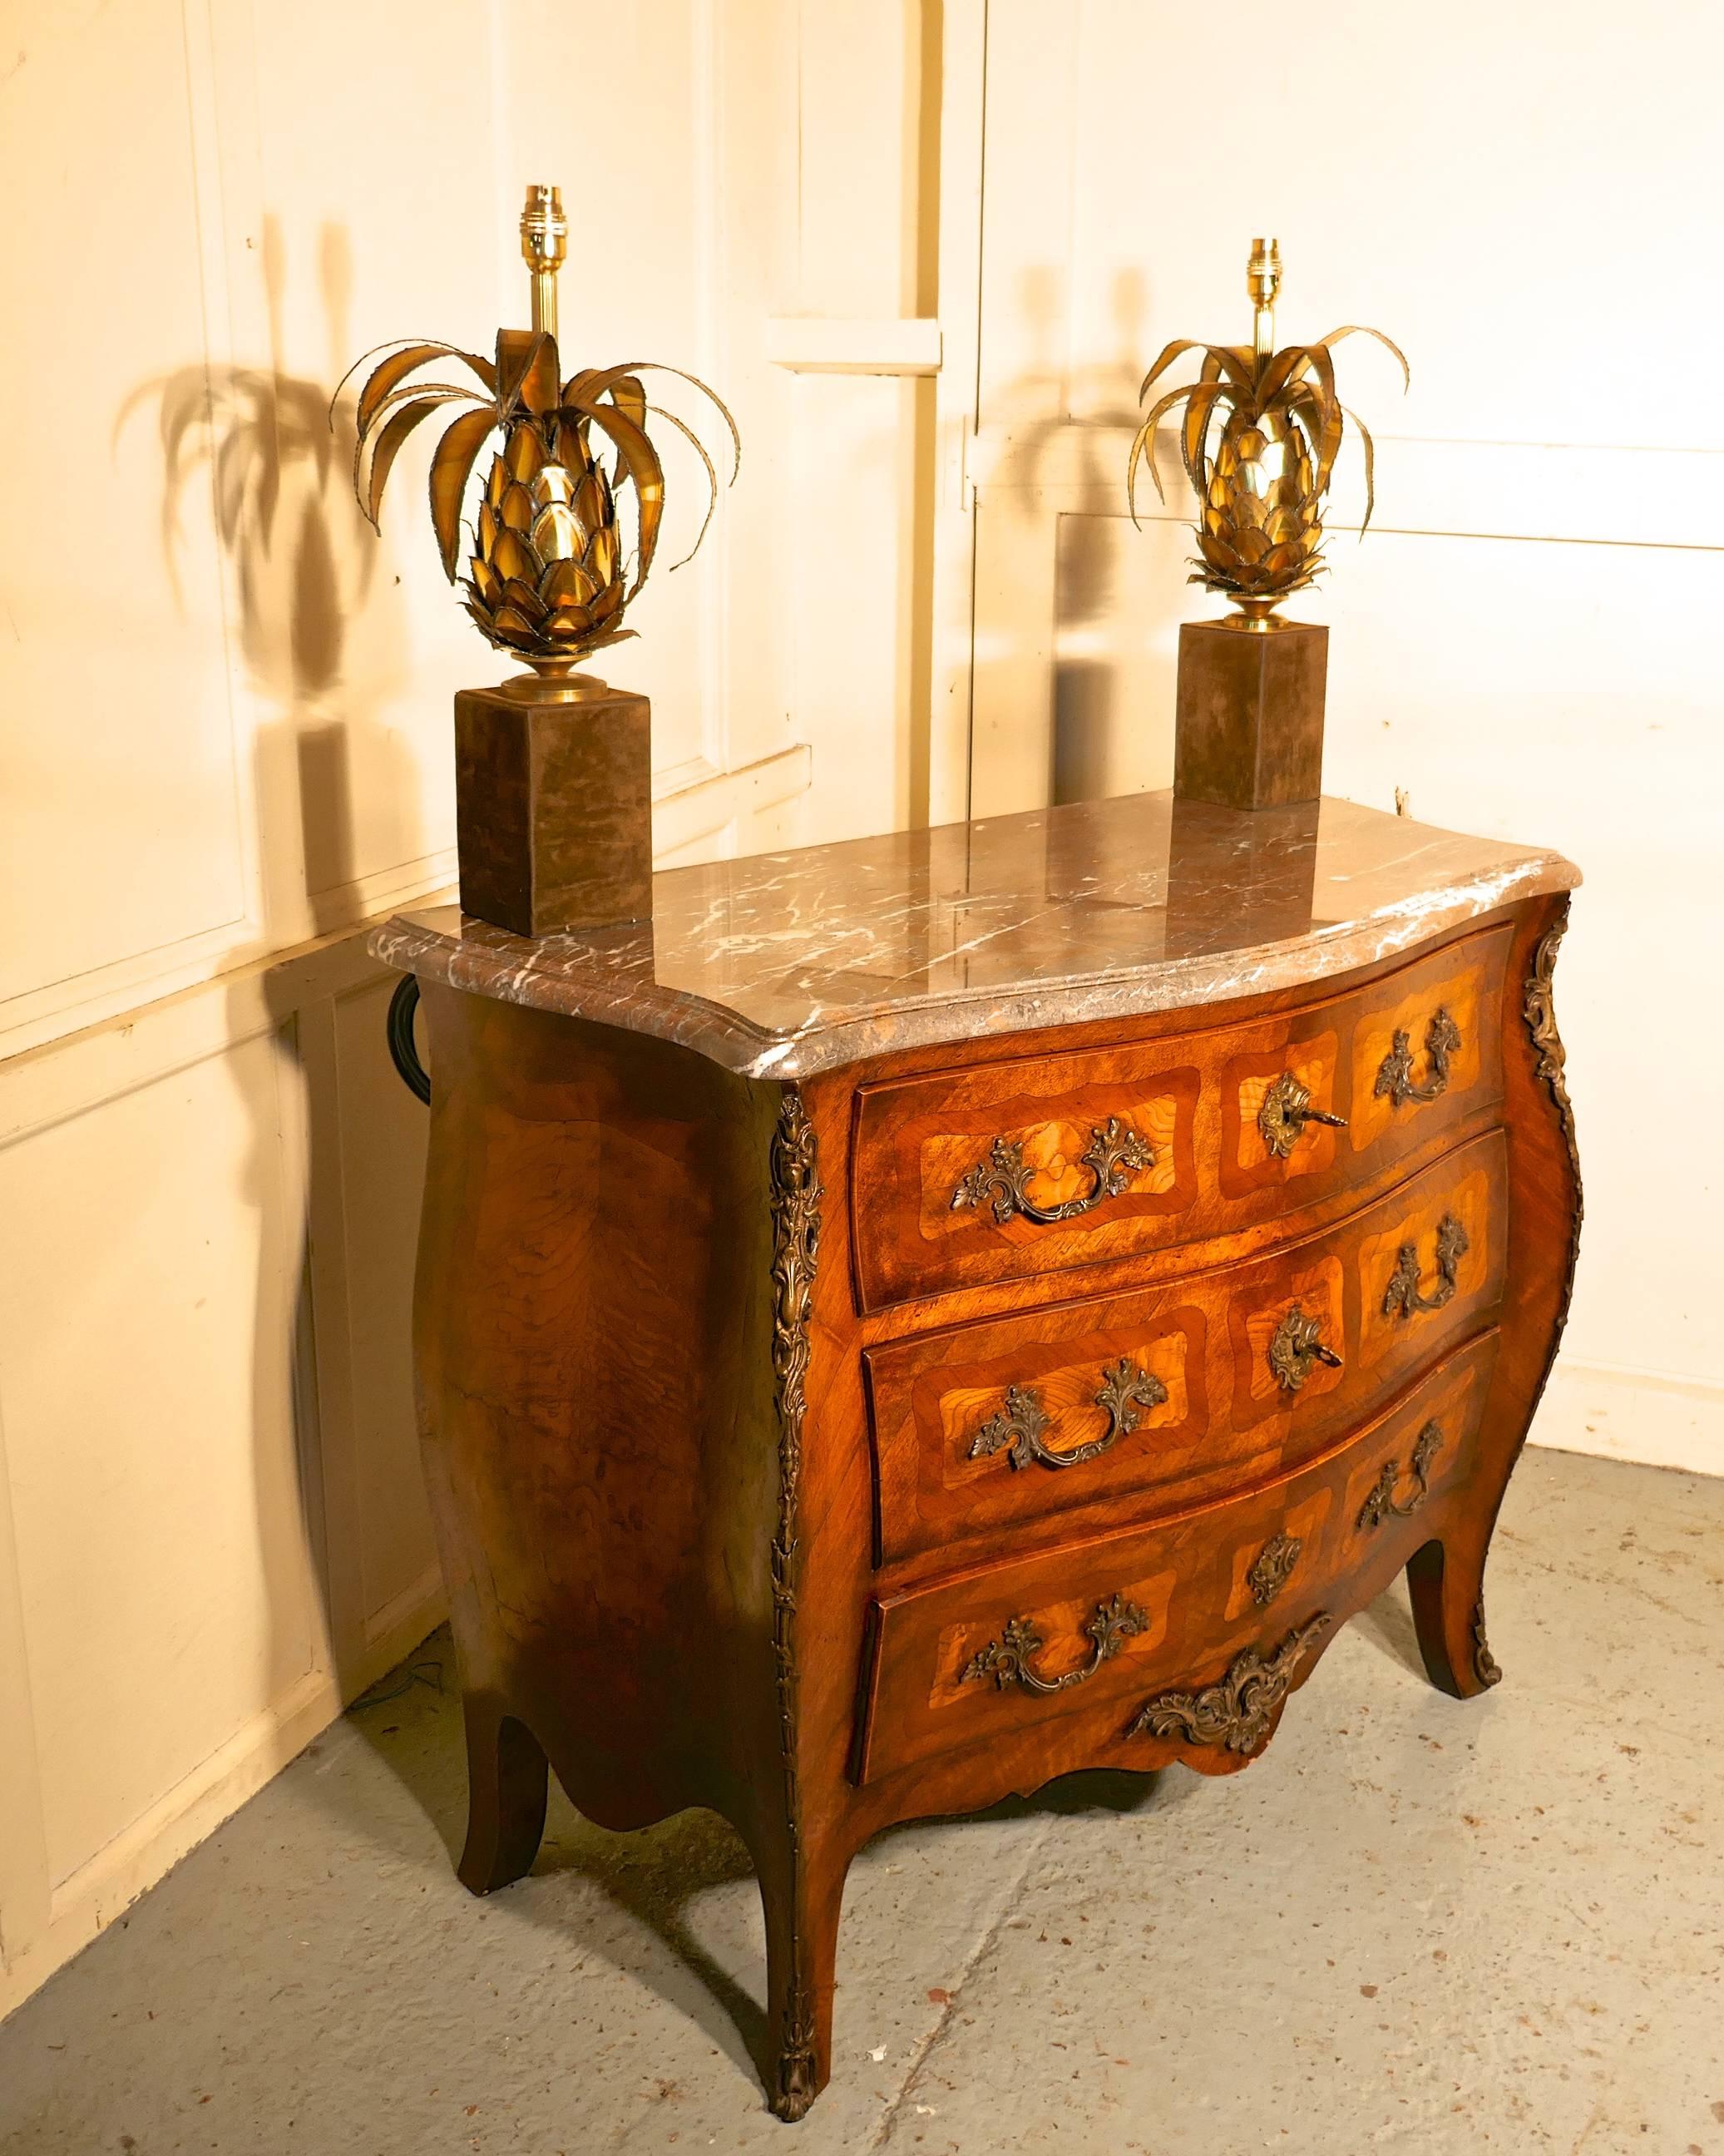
<point>1022,1423</point>
<point>1297,1349</point>
<point>1115,1154</point>
<point>1273,1569</point>
<point>1383,1503</point>
<point>1007,1659</point>
<point>1402,1295</point>
<point>1286,1110</point>
<point>1395,1074</point>
<point>1236,1712</point>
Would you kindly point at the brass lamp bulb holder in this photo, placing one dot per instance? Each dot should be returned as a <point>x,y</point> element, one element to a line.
<point>544,246</point>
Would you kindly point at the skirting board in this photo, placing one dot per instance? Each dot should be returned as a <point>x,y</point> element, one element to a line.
<point>88,1902</point>
<point>1638,1415</point>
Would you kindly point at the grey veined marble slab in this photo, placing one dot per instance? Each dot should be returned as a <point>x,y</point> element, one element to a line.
<point>784,964</point>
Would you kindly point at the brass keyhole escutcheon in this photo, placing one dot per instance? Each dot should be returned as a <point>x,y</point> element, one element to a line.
<point>1297,1349</point>
<point>1285,1110</point>
<point>1273,1569</point>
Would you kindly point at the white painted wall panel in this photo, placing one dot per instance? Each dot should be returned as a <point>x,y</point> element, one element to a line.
<point>1515,194</point>
<point>148,1292</point>
<point>120,829</point>
<point>344,234</point>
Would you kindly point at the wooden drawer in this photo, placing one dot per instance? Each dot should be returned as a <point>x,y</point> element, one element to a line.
<point>1185,1390</point>
<point>1124,1619</point>
<point>1168,1141</point>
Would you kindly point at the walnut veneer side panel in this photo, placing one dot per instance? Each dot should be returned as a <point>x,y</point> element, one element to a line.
<point>593,1334</point>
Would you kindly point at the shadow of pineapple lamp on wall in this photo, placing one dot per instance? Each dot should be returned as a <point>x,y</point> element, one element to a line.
<point>553,769</point>
<point>1258,438</point>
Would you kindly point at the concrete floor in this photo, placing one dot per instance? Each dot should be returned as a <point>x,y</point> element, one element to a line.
<point>1416,1925</point>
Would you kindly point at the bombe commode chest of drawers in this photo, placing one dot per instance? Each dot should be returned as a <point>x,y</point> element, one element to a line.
<point>928,1314</point>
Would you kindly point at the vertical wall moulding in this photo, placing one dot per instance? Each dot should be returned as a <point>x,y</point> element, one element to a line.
<point>707,126</point>
<point>957,298</point>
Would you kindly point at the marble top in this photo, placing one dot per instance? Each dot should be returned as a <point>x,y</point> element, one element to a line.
<point>781,965</point>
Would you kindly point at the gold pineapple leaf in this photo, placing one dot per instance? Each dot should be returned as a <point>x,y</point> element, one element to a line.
<point>1233,360</point>
<point>451,468</point>
<point>1363,329</point>
<point>384,448</point>
<point>418,400</point>
<point>1370,449</point>
<point>641,461</point>
<point>689,435</point>
<point>597,382</point>
<point>526,373</point>
<point>1260,525</point>
<point>545,577</point>
<point>409,355</point>
<point>1143,444</point>
<point>626,391</point>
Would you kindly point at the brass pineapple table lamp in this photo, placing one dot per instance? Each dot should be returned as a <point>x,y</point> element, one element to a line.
<point>1258,438</point>
<point>553,769</point>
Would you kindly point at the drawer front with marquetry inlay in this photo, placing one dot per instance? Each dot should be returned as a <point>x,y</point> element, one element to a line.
<point>1009,1170</point>
<point>1185,1637</point>
<point>1156,1397</point>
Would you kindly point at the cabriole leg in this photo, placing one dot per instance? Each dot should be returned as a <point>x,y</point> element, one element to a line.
<point>1447,1581</point>
<point>507,1781</point>
<point>802,1896</point>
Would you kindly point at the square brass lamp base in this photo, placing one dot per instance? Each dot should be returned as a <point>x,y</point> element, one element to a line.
<point>553,805</point>
<point>1248,722</point>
